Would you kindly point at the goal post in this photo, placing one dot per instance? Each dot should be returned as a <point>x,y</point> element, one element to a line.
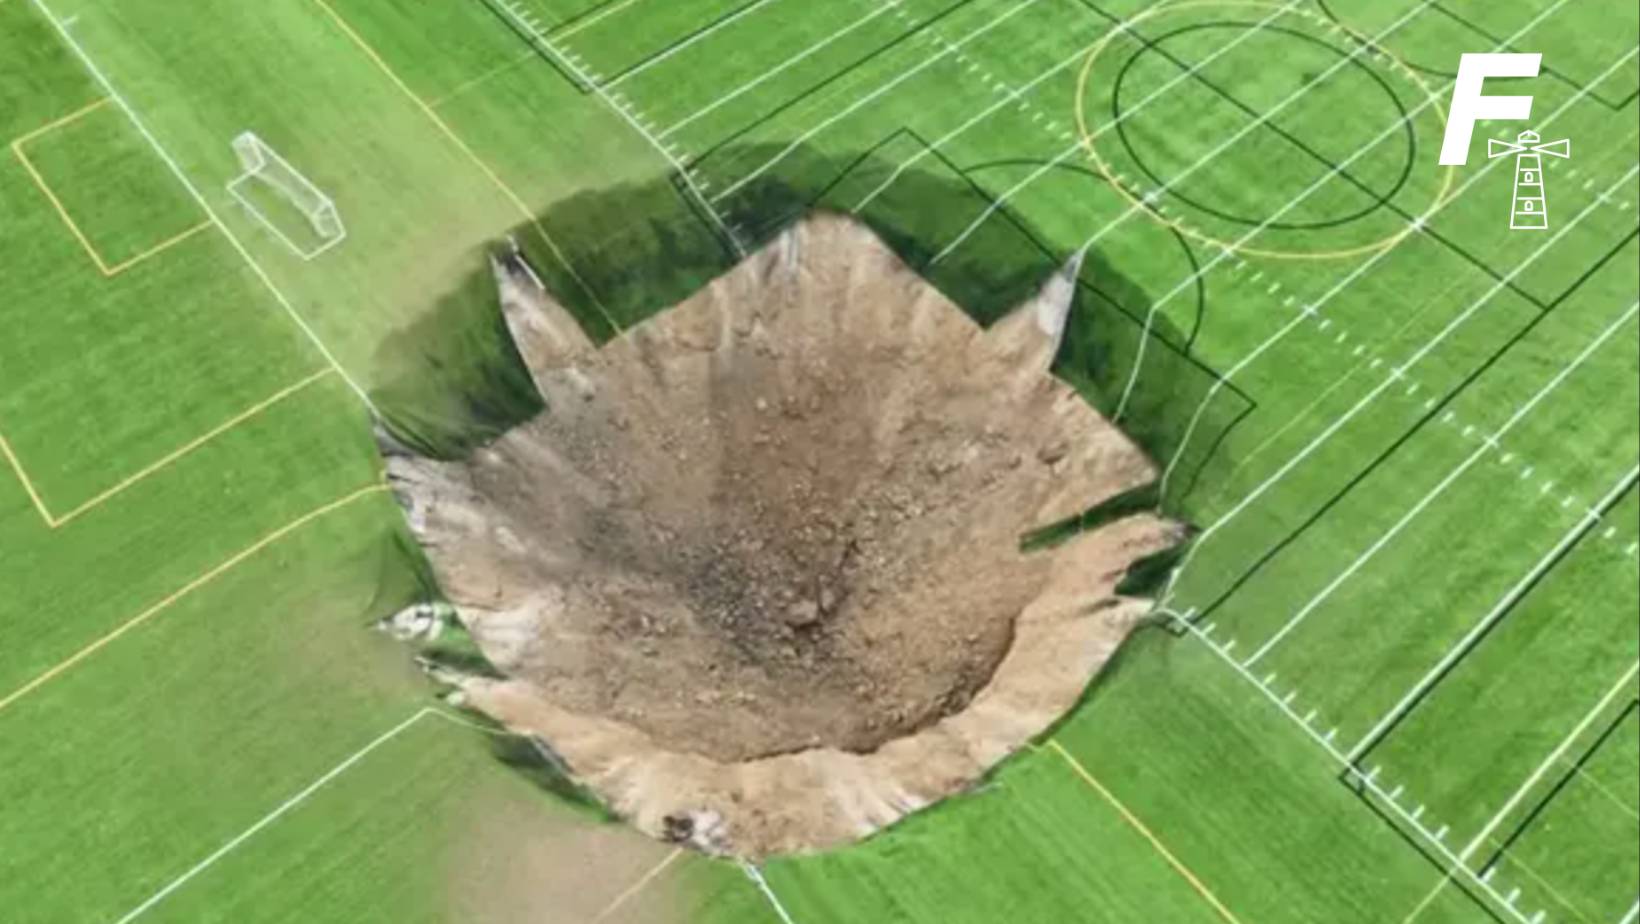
<point>284,201</point>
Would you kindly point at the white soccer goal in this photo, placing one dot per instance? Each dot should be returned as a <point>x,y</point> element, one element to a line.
<point>284,201</point>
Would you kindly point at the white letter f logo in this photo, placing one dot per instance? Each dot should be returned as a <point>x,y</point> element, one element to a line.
<point>1468,105</point>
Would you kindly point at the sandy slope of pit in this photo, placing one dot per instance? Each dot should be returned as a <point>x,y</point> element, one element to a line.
<point>755,574</point>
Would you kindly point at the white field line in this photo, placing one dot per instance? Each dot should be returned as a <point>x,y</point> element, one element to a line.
<point>770,74</point>
<point>1155,195</point>
<point>1486,446</point>
<point>1504,605</point>
<point>198,197</point>
<point>1554,757</point>
<point>727,21</point>
<point>1360,151</point>
<point>1435,840</point>
<point>595,18</point>
<point>978,117</point>
<point>1359,271</point>
<point>947,51</point>
<point>524,20</point>
<point>1633,915</point>
<point>1395,375</point>
<point>756,875</point>
<point>636,887</point>
<point>272,817</point>
<point>1121,26</point>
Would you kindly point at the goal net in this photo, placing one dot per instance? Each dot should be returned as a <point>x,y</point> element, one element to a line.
<point>284,201</point>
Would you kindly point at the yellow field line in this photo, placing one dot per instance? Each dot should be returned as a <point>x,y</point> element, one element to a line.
<point>1138,825</point>
<point>1419,908</point>
<point>467,85</point>
<point>1602,789</point>
<point>192,445</point>
<point>1537,878</point>
<point>56,123</point>
<point>638,886</point>
<point>596,18</point>
<point>466,149</point>
<point>155,250</point>
<point>62,211</point>
<point>186,589</point>
<point>22,476</point>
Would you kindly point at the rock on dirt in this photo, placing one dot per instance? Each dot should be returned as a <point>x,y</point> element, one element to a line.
<point>759,562</point>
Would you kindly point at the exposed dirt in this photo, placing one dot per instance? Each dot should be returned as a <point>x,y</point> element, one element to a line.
<point>756,572</point>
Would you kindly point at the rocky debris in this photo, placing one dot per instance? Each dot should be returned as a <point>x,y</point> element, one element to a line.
<point>419,622</point>
<point>756,573</point>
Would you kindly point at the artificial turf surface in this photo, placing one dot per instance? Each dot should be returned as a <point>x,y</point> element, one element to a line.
<point>144,748</point>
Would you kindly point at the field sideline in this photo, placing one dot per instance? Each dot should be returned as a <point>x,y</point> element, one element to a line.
<point>1393,679</point>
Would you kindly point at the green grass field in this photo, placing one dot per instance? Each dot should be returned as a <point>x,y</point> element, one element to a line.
<point>1401,681</point>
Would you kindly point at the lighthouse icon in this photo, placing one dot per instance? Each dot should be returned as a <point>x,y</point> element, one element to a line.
<point>1528,210</point>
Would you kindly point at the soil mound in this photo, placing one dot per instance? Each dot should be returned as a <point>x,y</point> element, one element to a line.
<point>756,575</point>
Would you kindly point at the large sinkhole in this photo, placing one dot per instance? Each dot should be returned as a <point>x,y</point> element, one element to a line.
<point>756,574</point>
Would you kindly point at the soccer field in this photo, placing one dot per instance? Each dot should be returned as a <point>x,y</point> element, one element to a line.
<point>1392,678</point>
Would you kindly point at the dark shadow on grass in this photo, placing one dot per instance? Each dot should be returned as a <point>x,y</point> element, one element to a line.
<point>454,380</point>
<point>457,381</point>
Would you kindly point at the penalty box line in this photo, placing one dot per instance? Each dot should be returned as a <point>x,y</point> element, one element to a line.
<point>186,590</point>
<point>54,521</point>
<point>103,266</point>
<point>102,80</point>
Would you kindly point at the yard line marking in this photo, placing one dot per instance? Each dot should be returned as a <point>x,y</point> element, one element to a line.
<point>1321,399</point>
<point>1138,825</point>
<point>622,109</point>
<point>756,875</point>
<point>873,95</point>
<point>272,817</point>
<point>1361,151</point>
<point>1633,915</point>
<point>1357,273</point>
<point>1504,604</point>
<point>638,886</point>
<point>981,116</point>
<point>1454,863</point>
<point>1349,415</point>
<point>744,11</point>
<point>188,184</point>
<point>1435,493</point>
<point>185,590</point>
<point>1154,195</point>
<point>56,522</point>
<point>466,149</point>
<point>1554,757</point>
